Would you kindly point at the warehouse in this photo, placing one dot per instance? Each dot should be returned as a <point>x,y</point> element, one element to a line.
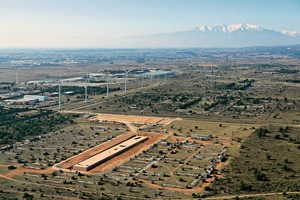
<point>36,97</point>
<point>104,156</point>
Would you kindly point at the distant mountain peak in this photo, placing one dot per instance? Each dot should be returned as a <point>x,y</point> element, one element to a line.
<point>228,28</point>
<point>218,36</point>
<point>290,33</point>
<point>244,27</point>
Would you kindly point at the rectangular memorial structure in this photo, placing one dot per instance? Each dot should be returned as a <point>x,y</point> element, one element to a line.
<point>104,156</point>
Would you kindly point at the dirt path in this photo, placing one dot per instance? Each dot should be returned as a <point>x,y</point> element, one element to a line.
<point>19,170</point>
<point>187,191</point>
<point>131,127</point>
<point>251,195</point>
<point>186,160</point>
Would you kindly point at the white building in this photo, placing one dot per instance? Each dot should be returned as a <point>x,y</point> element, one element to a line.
<point>36,97</point>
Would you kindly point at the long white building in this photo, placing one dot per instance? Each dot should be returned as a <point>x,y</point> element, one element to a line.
<point>36,97</point>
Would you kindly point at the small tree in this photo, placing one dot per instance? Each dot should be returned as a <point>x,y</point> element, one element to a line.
<point>259,176</point>
<point>11,167</point>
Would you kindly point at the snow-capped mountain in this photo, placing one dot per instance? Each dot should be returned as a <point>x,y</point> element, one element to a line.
<point>239,28</point>
<point>215,36</point>
<point>290,33</point>
<point>229,28</point>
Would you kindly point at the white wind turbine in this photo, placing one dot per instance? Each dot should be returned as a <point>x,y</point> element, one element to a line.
<point>143,81</point>
<point>59,94</point>
<point>107,86</point>
<point>17,77</point>
<point>87,79</point>
<point>151,80</point>
<point>126,77</point>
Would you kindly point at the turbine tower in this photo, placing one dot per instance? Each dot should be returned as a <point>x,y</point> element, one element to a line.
<point>107,86</point>
<point>30,73</point>
<point>126,77</point>
<point>86,77</point>
<point>151,80</point>
<point>59,94</point>
<point>86,88</point>
<point>17,77</point>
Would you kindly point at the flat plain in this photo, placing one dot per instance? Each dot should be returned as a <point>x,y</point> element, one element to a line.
<point>217,128</point>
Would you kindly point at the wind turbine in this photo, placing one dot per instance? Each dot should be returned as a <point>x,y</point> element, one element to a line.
<point>107,87</point>
<point>143,81</point>
<point>30,73</point>
<point>87,79</point>
<point>17,77</point>
<point>126,77</point>
<point>59,94</point>
<point>151,80</point>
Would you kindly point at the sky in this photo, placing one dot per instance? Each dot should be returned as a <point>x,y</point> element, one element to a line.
<point>88,23</point>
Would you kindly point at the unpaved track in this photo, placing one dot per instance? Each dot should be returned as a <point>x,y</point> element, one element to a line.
<point>186,191</point>
<point>132,119</point>
<point>250,195</point>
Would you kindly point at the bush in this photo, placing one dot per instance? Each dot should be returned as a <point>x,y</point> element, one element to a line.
<point>261,132</point>
<point>277,137</point>
<point>259,176</point>
<point>11,167</point>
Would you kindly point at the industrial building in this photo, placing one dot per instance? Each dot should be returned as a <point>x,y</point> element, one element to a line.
<point>21,102</point>
<point>104,156</point>
<point>157,74</point>
<point>36,97</point>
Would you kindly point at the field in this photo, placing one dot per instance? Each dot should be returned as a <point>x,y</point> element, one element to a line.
<point>219,128</point>
<point>156,164</point>
<point>265,164</point>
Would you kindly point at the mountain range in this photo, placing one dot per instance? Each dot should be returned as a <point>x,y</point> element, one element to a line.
<point>215,36</point>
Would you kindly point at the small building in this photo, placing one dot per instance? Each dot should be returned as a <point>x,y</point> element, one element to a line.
<point>36,97</point>
<point>69,93</point>
<point>54,94</point>
<point>35,82</point>
<point>202,137</point>
<point>22,102</point>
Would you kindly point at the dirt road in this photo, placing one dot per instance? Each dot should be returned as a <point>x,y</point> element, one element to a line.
<point>250,195</point>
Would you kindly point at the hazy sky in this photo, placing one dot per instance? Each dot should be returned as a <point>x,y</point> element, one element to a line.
<point>86,23</point>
